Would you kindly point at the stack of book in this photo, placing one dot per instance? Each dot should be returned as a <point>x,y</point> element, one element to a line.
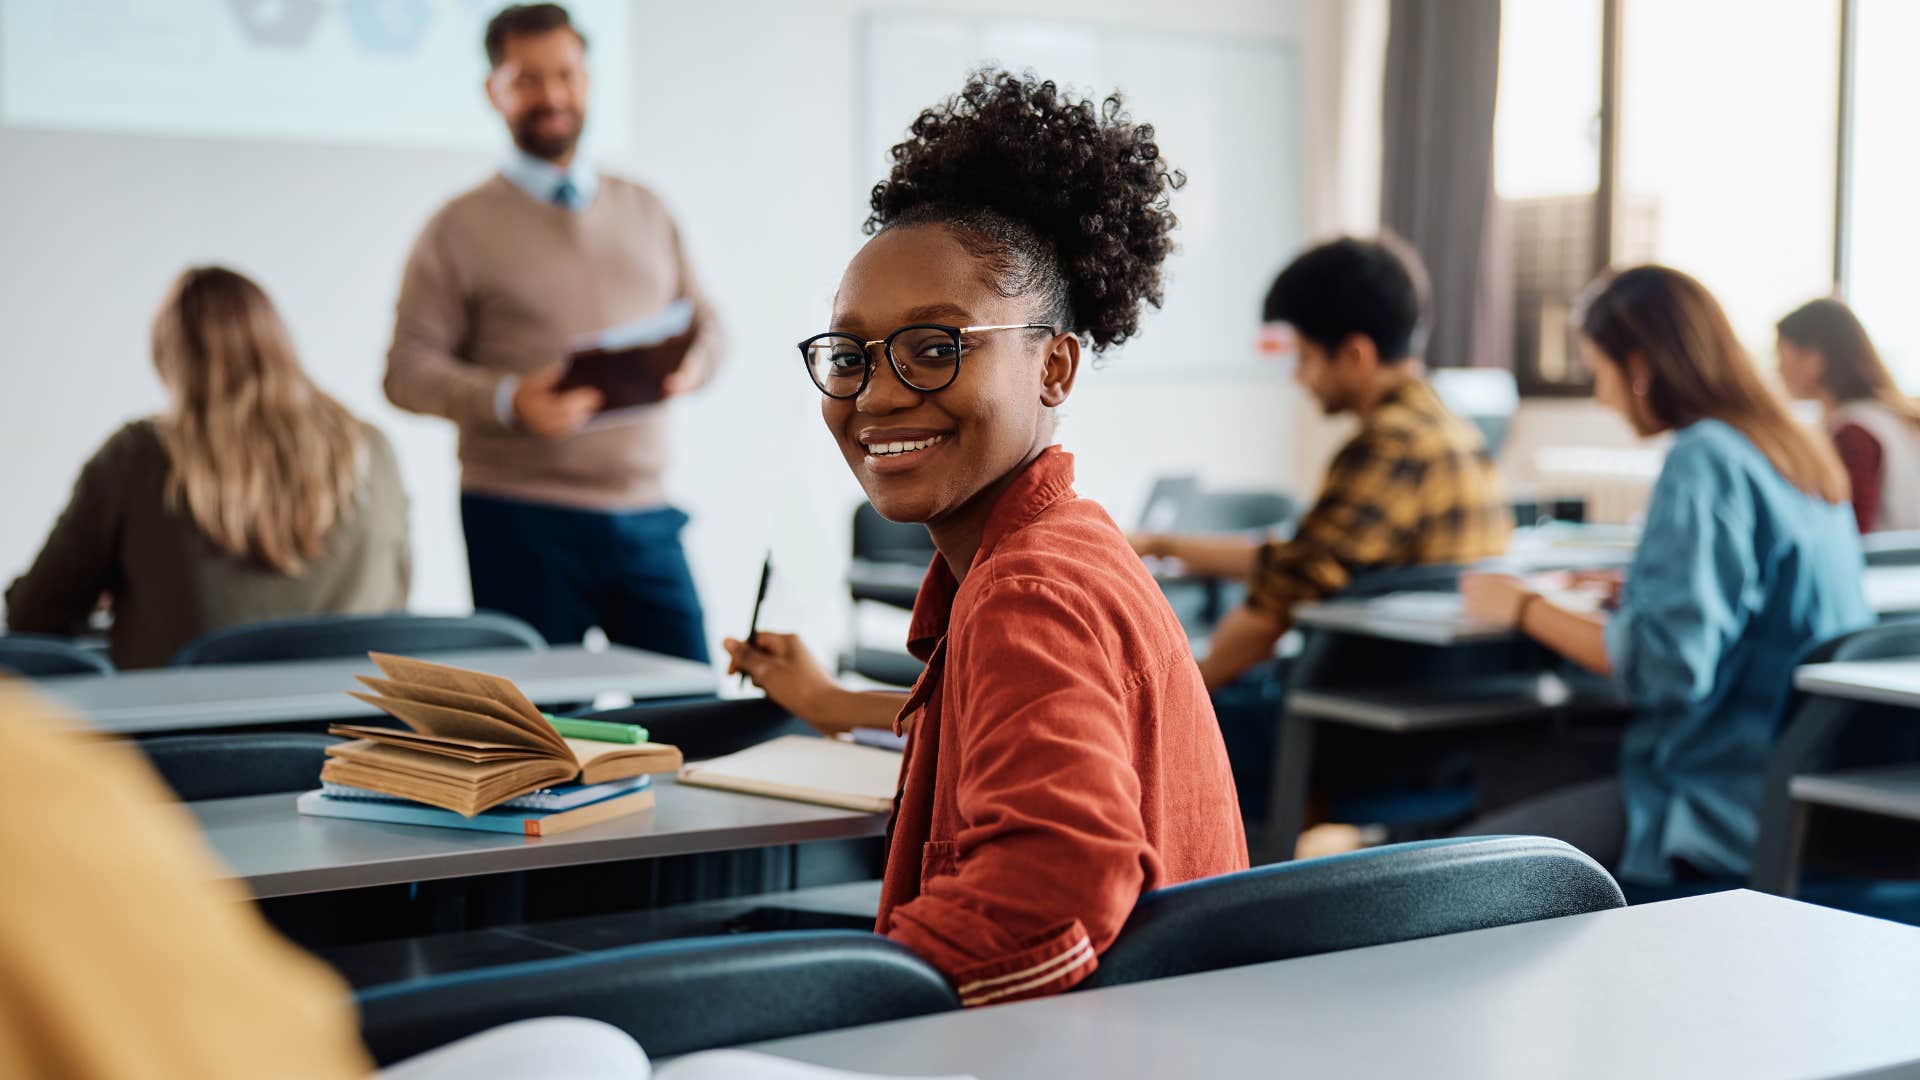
<point>476,754</point>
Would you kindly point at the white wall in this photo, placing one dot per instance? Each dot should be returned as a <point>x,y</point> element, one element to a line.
<point>750,106</point>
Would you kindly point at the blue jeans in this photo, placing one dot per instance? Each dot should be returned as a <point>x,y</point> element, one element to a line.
<point>565,570</point>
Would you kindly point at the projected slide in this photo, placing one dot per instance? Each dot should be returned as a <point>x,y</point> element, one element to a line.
<point>403,72</point>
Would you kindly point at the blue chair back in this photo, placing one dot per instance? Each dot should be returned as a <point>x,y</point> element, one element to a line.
<point>318,637</point>
<point>673,997</point>
<point>37,656</point>
<point>224,766</point>
<point>1371,897</point>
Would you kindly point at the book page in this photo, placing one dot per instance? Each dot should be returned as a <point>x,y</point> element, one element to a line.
<point>460,680</point>
<point>434,695</point>
<point>441,722</point>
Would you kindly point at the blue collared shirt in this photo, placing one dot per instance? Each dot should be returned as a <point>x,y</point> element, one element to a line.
<point>1738,575</point>
<point>541,179</point>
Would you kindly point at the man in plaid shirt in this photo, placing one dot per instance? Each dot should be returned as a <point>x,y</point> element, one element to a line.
<point>1413,487</point>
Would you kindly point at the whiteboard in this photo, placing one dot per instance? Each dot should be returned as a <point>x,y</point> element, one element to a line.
<point>1225,111</point>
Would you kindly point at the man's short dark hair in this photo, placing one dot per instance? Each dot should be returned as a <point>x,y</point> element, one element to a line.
<point>526,20</point>
<point>1376,288</point>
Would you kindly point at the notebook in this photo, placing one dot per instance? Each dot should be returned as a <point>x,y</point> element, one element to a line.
<point>472,741</point>
<point>629,364</point>
<point>807,769</point>
<point>499,819</point>
<point>564,797</point>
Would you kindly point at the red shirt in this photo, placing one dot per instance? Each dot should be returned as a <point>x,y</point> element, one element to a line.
<point>1064,757</point>
<point>1863,457</point>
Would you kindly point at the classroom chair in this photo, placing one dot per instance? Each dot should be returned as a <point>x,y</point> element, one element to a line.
<point>673,997</point>
<point>1825,733</point>
<point>225,766</point>
<point>1899,548</point>
<point>1371,897</point>
<point>38,656</point>
<point>317,637</point>
<point>889,559</point>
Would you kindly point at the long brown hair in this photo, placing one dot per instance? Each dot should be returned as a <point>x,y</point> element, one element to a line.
<point>261,458</point>
<point>1696,370</point>
<point>1850,367</point>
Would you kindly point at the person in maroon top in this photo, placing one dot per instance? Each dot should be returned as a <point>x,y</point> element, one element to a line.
<point>1826,356</point>
<point>1062,754</point>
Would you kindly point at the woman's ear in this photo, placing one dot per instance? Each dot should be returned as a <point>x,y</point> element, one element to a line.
<point>1057,372</point>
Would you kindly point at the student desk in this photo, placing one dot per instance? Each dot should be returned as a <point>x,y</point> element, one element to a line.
<point>278,852</point>
<point>1731,984</point>
<point>233,695</point>
<point>1878,682</point>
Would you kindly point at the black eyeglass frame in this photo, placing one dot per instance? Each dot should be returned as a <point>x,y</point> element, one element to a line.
<point>866,350</point>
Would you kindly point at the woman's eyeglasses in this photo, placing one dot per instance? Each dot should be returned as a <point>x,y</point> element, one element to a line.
<point>926,356</point>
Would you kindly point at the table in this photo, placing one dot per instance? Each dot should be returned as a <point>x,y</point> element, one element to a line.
<point>1893,590</point>
<point>1731,984</point>
<point>1435,618</point>
<point>276,851</point>
<point>1878,682</point>
<point>232,695</point>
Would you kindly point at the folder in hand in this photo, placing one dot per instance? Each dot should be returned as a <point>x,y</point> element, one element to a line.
<point>629,364</point>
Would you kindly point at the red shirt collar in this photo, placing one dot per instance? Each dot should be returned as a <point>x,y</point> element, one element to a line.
<point>1047,480</point>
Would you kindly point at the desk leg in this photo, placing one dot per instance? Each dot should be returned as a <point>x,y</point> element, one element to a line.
<point>1292,770</point>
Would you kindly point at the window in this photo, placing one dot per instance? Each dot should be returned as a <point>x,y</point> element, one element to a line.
<point>1729,113</point>
<point>1546,166</point>
<point>1883,189</point>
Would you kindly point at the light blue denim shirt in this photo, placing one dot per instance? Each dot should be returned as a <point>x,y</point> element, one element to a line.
<point>1738,575</point>
<point>541,179</point>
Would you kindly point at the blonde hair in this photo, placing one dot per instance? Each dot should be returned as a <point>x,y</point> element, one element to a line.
<point>263,460</point>
<point>1696,370</point>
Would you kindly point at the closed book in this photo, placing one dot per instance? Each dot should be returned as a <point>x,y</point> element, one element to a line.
<point>564,797</point>
<point>499,819</point>
<point>808,769</point>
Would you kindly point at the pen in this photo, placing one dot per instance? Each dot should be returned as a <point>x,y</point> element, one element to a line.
<point>760,596</point>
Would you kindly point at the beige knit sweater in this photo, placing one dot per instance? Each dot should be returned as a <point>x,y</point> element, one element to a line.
<point>497,284</point>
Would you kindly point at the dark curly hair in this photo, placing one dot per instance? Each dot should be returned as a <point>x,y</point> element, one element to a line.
<point>1063,198</point>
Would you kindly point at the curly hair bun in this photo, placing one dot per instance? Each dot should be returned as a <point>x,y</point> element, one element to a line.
<point>1069,199</point>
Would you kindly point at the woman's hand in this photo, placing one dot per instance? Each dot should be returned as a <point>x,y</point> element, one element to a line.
<point>1498,599</point>
<point>781,665</point>
<point>1151,545</point>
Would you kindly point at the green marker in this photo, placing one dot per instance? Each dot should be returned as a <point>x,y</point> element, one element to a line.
<point>596,730</point>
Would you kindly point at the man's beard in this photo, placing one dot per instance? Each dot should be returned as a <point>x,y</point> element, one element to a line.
<point>546,147</point>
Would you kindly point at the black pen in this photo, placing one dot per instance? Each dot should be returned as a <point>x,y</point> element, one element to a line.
<point>760,597</point>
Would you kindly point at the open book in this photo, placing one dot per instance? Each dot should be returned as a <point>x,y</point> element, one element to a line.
<point>629,364</point>
<point>472,741</point>
<point>806,769</point>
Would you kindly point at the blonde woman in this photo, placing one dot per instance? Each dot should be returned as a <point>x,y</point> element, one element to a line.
<point>253,496</point>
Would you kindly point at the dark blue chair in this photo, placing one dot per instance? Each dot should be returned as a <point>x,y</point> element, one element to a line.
<point>224,766</point>
<point>1372,897</point>
<point>1825,733</point>
<point>38,656</point>
<point>673,997</point>
<point>318,637</point>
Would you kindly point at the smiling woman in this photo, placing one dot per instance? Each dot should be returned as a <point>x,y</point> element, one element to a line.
<point>1063,756</point>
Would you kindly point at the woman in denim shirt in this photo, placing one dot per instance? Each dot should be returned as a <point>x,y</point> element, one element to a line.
<point>1748,560</point>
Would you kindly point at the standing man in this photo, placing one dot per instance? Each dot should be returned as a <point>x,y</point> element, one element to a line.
<point>566,524</point>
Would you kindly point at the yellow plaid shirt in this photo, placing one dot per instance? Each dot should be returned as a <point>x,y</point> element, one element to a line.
<point>1415,487</point>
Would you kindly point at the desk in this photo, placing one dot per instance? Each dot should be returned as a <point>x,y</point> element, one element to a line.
<point>232,695</point>
<point>1893,590</point>
<point>1732,984</point>
<point>1435,618</point>
<point>278,852</point>
<point>1878,682</point>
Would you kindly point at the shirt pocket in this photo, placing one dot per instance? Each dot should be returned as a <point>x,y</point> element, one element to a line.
<point>938,858</point>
